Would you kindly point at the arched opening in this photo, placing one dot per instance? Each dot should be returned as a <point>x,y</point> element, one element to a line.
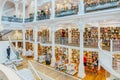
<point>8,9</point>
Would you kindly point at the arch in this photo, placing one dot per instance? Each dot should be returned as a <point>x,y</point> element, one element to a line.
<point>2,4</point>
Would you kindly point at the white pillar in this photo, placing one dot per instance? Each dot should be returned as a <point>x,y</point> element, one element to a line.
<point>69,55</point>
<point>16,9</point>
<point>35,43</point>
<point>53,59</point>
<point>53,9</point>
<point>24,42</point>
<point>50,35</point>
<point>81,9</point>
<point>98,45</point>
<point>81,71</point>
<point>111,50</point>
<point>35,10</point>
<point>16,44</point>
<point>24,10</point>
<point>111,46</point>
<point>69,36</point>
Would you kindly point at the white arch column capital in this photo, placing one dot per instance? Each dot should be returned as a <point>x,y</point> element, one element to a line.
<point>81,26</point>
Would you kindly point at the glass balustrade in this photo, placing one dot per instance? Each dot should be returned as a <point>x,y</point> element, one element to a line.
<point>91,6</point>
<point>44,40</point>
<point>43,17</point>
<point>62,40</point>
<point>115,45</point>
<point>89,42</point>
<point>11,19</point>
<point>63,12</point>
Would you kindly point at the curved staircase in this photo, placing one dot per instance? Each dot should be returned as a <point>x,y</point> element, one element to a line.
<point>108,61</point>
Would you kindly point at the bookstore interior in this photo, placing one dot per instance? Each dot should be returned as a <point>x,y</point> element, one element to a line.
<point>60,40</point>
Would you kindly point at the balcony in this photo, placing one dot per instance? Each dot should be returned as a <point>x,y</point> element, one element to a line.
<point>12,19</point>
<point>91,6</point>
<point>63,13</point>
<point>96,6</point>
<point>44,40</point>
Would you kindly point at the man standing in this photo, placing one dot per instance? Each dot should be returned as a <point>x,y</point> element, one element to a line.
<point>8,52</point>
<point>48,58</point>
<point>62,39</point>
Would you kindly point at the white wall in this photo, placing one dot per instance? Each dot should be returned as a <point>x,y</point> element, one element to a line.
<point>3,53</point>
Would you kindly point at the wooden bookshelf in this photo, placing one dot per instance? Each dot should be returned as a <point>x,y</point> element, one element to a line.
<point>108,33</point>
<point>75,36</point>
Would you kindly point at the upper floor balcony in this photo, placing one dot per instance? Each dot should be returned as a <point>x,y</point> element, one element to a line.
<point>58,9</point>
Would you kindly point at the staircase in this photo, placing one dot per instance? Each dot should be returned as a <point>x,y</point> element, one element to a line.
<point>3,53</point>
<point>108,61</point>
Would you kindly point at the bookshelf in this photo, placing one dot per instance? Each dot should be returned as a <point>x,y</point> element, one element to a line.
<point>75,36</point>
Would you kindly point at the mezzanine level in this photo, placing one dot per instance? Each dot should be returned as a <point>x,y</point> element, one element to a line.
<point>91,7</point>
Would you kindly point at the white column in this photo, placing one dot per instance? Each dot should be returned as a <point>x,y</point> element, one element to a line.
<point>35,43</point>
<point>53,59</point>
<point>35,10</point>
<point>53,9</point>
<point>24,42</point>
<point>24,10</point>
<point>81,71</point>
<point>69,55</point>
<point>69,36</point>
<point>111,50</point>
<point>16,9</point>
<point>16,44</point>
<point>111,46</point>
<point>81,9</point>
<point>50,35</point>
<point>98,45</point>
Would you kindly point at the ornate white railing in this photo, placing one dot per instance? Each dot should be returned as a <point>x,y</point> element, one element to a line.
<point>108,61</point>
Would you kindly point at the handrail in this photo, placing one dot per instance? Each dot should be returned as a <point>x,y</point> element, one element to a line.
<point>99,46</point>
<point>14,50</point>
<point>34,70</point>
<point>112,68</point>
<point>11,75</point>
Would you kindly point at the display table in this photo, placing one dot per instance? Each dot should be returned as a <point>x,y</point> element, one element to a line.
<point>41,58</point>
<point>71,69</point>
<point>18,62</point>
<point>29,53</point>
